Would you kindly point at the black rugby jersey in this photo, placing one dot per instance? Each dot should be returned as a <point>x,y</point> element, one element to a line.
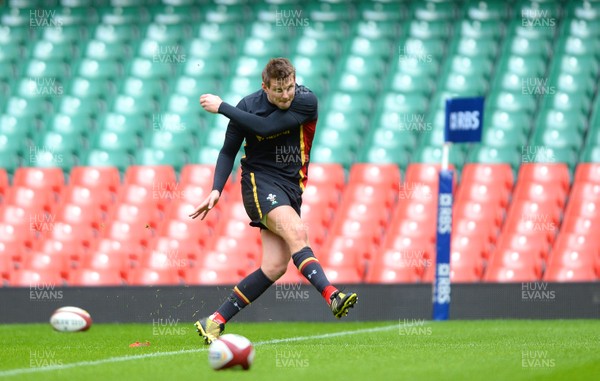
<point>278,142</point>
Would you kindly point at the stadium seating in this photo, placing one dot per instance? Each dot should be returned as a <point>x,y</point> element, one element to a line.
<point>104,151</point>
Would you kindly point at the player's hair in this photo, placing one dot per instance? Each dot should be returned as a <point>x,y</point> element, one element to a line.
<point>277,69</point>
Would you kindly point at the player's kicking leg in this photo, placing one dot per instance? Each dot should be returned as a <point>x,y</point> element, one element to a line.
<point>276,256</point>
<point>287,223</point>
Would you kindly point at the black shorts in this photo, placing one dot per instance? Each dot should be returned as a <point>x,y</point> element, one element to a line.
<point>262,193</point>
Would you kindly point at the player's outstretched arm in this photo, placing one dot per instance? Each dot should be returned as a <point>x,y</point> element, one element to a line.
<point>277,121</point>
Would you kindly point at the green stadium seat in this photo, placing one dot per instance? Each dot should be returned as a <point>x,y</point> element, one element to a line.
<point>231,13</point>
<point>382,155</point>
<point>59,143</point>
<point>475,47</point>
<point>489,29</point>
<point>64,34</point>
<point>581,28</point>
<point>193,87</point>
<point>424,51</point>
<point>90,88</point>
<point>518,27</point>
<point>524,66</point>
<point>45,69</point>
<point>206,155</point>
<point>9,160</point>
<point>204,67</point>
<point>590,154</point>
<point>95,69</point>
<point>494,155</point>
<point>576,65</point>
<point>317,47</point>
<point>15,35</point>
<point>70,105</point>
<point>557,138</point>
<point>340,101</point>
<point>155,68</point>
<point>402,82</point>
<point>70,125</point>
<point>16,145</point>
<point>500,119</point>
<point>356,83</point>
<point>129,105</point>
<point>170,139</point>
<point>46,50</point>
<point>142,89</point>
<point>568,102</point>
<point>485,10</point>
<point>263,50</point>
<point>17,127</point>
<point>577,46</point>
<point>167,33</point>
<point>365,47</point>
<point>431,11</point>
<point>556,119</point>
<point>333,138</point>
<point>327,30</point>
<point>218,32</point>
<point>183,105</point>
<point>112,141</point>
<point>512,101</point>
<point>119,123</point>
<point>19,106</point>
<point>381,29</point>
<point>522,46</point>
<point>381,11</point>
<point>470,66</point>
<point>202,48</point>
<point>326,11</point>
<point>392,138</point>
<point>557,155</point>
<point>47,159</point>
<point>407,103</point>
<point>499,138</point>
<point>11,52</point>
<point>156,156</point>
<point>108,158</point>
<point>432,137</point>
<point>114,33</point>
<point>104,51</point>
<point>433,155</point>
<point>341,155</point>
<point>467,85</point>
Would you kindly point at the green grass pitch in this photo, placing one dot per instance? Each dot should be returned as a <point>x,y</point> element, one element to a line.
<point>397,350</point>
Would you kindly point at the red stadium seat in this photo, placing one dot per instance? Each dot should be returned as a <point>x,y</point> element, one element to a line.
<point>136,214</point>
<point>136,233</point>
<point>386,275</point>
<point>225,260</point>
<point>153,277</point>
<point>77,214</point>
<point>491,174</point>
<point>580,225</point>
<point>531,226</point>
<point>478,211</point>
<point>138,195</point>
<point>498,274</point>
<point>39,260</point>
<point>570,274</point>
<point>583,208</point>
<point>335,258</point>
<point>106,260</point>
<point>43,279</point>
<point>96,178</point>
<point>383,175</point>
<point>575,241</point>
<point>534,244</point>
<point>585,191</point>
<point>573,258</point>
<point>133,251</point>
<point>198,174</point>
<point>425,174</point>
<point>467,227</point>
<point>343,275</point>
<point>91,277</point>
<point>359,229</point>
<point>588,172</point>
<point>413,210</point>
<point>3,182</point>
<point>39,178</point>
<point>508,258</point>
<point>484,193</point>
<point>326,173</point>
<point>187,231</point>
<point>21,235</point>
<point>541,212</point>
<point>210,277</point>
<point>11,250</point>
<point>80,234</point>
<point>323,194</point>
<point>194,194</point>
<point>238,229</point>
<point>468,260</point>
<point>171,259</point>
<point>40,199</point>
<point>474,243</point>
<point>234,246</point>
<point>154,177</point>
<point>360,211</point>
<point>189,250</point>
<point>542,193</point>
<point>15,215</point>
<point>370,194</point>
<point>56,247</point>
<point>544,173</point>
<point>352,247</point>
<point>87,197</point>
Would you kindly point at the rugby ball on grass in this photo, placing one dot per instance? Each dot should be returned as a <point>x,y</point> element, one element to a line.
<point>70,319</point>
<point>231,351</point>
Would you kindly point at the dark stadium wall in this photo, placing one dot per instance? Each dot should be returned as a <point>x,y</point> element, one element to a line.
<point>302,303</point>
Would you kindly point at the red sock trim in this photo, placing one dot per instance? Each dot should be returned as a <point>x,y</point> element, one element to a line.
<point>327,293</point>
<point>218,318</point>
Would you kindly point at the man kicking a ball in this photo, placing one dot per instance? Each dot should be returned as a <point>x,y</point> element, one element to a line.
<point>282,115</point>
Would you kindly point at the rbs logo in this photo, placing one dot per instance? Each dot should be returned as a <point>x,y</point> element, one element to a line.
<point>464,120</point>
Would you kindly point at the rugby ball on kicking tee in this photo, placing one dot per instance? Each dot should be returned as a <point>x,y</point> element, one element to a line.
<point>231,351</point>
<point>70,319</point>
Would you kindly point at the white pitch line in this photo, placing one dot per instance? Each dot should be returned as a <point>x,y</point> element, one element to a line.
<point>15,372</point>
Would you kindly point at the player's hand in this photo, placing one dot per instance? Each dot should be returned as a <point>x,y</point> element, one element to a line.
<point>210,102</point>
<point>209,203</point>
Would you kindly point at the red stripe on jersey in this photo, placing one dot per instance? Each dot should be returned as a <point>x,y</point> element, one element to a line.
<point>307,135</point>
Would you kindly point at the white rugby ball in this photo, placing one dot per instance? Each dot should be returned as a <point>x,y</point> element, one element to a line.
<point>70,319</point>
<point>231,351</point>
